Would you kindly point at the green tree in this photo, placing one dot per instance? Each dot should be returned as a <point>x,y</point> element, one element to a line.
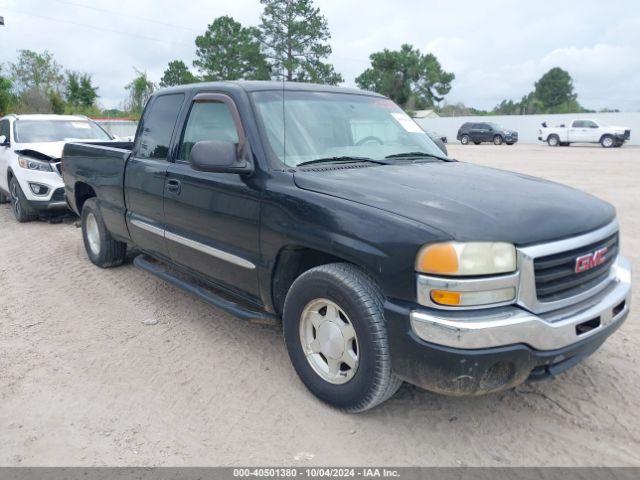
<point>177,73</point>
<point>555,88</point>
<point>33,70</point>
<point>7,97</point>
<point>229,51</point>
<point>410,78</point>
<point>57,102</point>
<point>140,89</point>
<point>295,37</point>
<point>79,90</point>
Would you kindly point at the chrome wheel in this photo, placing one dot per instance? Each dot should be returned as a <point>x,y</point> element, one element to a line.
<point>464,139</point>
<point>15,199</point>
<point>329,341</point>
<point>607,142</point>
<point>93,234</point>
<point>553,141</point>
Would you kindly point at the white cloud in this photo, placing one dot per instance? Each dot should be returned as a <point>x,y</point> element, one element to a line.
<point>497,48</point>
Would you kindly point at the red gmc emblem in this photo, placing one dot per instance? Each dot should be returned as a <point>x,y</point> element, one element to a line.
<point>590,260</point>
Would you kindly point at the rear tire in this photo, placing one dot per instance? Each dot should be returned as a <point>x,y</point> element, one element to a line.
<point>497,140</point>
<point>553,141</point>
<point>464,139</point>
<point>347,331</point>
<point>19,203</point>
<point>607,141</point>
<point>102,249</point>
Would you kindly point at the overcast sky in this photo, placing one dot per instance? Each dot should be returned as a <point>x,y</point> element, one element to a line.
<point>496,48</point>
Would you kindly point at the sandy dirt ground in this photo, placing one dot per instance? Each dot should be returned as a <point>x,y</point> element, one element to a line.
<point>115,367</point>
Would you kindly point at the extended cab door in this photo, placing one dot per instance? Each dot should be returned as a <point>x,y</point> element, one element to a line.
<point>579,132</point>
<point>145,174</point>
<point>213,218</point>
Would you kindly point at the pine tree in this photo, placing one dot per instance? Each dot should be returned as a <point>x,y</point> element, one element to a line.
<point>295,37</point>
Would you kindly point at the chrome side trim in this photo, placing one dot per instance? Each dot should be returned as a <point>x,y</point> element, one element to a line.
<point>512,325</point>
<point>427,283</point>
<point>527,296</point>
<point>148,227</point>
<point>214,252</point>
<point>201,247</point>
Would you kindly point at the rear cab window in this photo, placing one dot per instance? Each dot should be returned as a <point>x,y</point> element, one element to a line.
<point>157,126</point>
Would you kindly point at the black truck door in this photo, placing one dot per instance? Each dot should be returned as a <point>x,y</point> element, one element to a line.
<point>146,172</point>
<point>213,218</point>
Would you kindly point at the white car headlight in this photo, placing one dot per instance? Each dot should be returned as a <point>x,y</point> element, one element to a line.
<point>31,164</point>
<point>466,259</point>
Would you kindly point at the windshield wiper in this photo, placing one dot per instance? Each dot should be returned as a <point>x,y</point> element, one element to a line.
<point>418,155</point>
<point>343,159</point>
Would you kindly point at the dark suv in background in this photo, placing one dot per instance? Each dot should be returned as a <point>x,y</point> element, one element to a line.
<point>486,132</point>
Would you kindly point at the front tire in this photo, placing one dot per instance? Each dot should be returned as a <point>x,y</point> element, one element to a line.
<point>607,141</point>
<point>102,249</point>
<point>464,139</point>
<point>336,336</point>
<point>19,204</point>
<point>497,140</point>
<point>553,140</point>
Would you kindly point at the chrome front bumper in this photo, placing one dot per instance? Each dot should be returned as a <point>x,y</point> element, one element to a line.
<point>474,329</point>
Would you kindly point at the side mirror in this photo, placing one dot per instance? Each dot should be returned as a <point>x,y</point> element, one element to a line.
<point>218,157</point>
<point>4,142</point>
<point>594,126</point>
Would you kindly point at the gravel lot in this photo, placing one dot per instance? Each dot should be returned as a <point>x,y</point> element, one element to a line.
<point>114,367</point>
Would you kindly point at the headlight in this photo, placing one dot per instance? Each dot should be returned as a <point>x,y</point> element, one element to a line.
<point>467,299</point>
<point>466,259</point>
<point>32,164</point>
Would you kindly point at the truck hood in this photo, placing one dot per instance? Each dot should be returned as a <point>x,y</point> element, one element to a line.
<point>616,128</point>
<point>53,150</point>
<point>467,202</point>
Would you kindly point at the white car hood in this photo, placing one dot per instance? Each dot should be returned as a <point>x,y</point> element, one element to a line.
<point>51,149</point>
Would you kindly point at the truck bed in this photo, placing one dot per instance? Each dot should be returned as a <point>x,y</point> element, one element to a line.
<point>80,173</point>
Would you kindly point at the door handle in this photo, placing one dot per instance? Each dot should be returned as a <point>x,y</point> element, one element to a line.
<point>174,186</point>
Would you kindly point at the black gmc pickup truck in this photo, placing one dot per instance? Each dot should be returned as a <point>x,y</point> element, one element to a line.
<point>330,210</point>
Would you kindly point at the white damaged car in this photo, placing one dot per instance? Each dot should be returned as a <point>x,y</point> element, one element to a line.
<point>30,151</point>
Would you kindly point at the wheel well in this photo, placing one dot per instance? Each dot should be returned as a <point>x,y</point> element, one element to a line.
<point>292,261</point>
<point>83,192</point>
<point>605,135</point>
<point>9,176</point>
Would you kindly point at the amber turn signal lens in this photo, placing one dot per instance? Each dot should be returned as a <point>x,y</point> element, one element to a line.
<point>444,297</point>
<point>440,259</point>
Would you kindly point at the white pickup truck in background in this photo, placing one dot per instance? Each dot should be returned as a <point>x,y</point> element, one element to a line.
<point>584,131</point>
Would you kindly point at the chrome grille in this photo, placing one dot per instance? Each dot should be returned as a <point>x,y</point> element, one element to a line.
<point>547,270</point>
<point>556,277</point>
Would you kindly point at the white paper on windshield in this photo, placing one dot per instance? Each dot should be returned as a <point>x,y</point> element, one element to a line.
<point>406,122</point>
<point>80,125</point>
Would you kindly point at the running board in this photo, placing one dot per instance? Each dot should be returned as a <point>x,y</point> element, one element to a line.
<point>235,309</point>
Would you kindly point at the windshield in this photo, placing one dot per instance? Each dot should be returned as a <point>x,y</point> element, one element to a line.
<point>36,131</point>
<point>315,125</point>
